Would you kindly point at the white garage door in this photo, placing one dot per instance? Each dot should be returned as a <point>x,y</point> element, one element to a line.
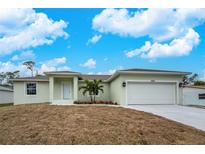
<point>150,93</point>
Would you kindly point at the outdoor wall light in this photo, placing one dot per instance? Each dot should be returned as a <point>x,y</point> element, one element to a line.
<point>124,84</point>
<point>180,84</point>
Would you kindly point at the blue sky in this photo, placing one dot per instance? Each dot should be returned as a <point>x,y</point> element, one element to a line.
<point>103,40</point>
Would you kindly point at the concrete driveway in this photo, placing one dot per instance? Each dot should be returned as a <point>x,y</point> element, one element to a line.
<point>191,116</point>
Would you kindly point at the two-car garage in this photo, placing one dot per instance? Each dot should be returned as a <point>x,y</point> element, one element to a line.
<point>150,92</point>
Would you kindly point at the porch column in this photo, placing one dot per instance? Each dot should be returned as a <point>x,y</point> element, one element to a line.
<point>75,88</point>
<point>177,93</point>
<point>51,83</point>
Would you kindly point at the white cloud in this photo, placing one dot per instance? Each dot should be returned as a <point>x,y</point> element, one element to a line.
<point>55,64</point>
<point>158,24</point>
<point>69,46</point>
<point>11,67</point>
<point>22,29</point>
<point>108,72</point>
<point>202,75</point>
<point>171,31</point>
<point>112,71</point>
<point>25,55</point>
<point>94,39</point>
<point>91,73</point>
<point>48,65</point>
<point>47,68</point>
<point>90,63</point>
<point>177,47</point>
<point>55,61</point>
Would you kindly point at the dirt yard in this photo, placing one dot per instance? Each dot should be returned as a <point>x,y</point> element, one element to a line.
<point>49,124</point>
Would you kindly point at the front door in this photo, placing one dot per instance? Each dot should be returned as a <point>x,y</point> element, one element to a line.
<point>67,90</point>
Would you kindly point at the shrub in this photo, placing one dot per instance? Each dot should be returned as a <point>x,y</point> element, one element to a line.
<point>96,102</point>
<point>199,83</point>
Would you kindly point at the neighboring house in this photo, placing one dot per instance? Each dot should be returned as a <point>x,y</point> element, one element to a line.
<point>126,87</point>
<point>6,95</point>
<point>194,95</point>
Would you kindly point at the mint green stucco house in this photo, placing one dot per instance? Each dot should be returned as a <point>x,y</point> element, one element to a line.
<point>126,87</point>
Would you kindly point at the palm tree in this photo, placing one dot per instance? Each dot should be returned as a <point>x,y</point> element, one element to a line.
<point>97,87</point>
<point>88,88</point>
<point>30,66</point>
<point>92,88</point>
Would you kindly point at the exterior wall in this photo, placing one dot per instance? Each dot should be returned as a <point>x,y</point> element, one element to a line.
<point>75,88</point>
<point>113,91</point>
<point>190,96</point>
<point>181,96</point>
<point>116,90</point>
<point>20,96</point>
<point>119,93</point>
<point>102,96</point>
<point>6,97</point>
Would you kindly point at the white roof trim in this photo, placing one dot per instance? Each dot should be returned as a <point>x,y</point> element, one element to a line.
<point>146,72</point>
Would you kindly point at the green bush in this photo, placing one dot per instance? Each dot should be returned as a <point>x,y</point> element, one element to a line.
<point>199,83</point>
<point>96,102</point>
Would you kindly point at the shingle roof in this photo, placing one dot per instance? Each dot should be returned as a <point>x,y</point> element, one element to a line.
<point>36,78</point>
<point>151,70</point>
<point>94,77</point>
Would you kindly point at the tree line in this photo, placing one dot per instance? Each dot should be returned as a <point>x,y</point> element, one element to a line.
<point>5,77</point>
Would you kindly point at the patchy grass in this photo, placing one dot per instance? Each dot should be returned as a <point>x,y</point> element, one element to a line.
<point>8,104</point>
<point>50,124</point>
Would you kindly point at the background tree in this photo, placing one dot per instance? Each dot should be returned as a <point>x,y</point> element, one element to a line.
<point>92,88</point>
<point>2,77</point>
<point>199,83</point>
<point>5,77</point>
<point>11,75</point>
<point>188,80</point>
<point>30,65</point>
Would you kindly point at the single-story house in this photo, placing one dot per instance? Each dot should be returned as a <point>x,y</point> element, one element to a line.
<point>194,95</point>
<point>126,87</point>
<point>6,95</point>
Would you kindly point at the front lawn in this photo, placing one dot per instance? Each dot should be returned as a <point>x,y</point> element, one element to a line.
<point>50,124</point>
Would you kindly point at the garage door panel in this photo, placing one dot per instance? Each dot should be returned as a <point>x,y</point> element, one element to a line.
<point>150,93</point>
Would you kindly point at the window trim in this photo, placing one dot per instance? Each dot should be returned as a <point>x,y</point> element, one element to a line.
<point>25,88</point>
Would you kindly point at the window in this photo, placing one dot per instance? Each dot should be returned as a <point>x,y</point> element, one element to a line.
<point>202,96</point>
<point>31,88</point>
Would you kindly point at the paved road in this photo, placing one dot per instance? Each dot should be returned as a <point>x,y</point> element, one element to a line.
<point>192,116</point>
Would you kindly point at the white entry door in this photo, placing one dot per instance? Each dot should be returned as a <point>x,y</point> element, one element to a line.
<point>67,90</point>
<point>150,93</point>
